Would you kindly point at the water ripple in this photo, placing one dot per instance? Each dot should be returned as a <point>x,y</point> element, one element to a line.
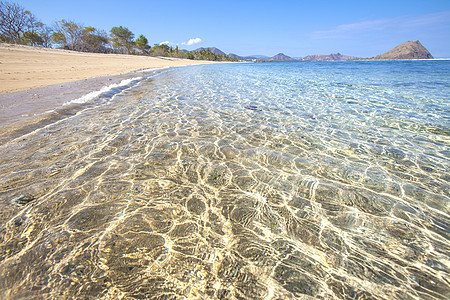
<point>336,186</point>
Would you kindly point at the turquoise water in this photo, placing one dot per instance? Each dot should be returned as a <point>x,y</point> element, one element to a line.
<point>237,181</point>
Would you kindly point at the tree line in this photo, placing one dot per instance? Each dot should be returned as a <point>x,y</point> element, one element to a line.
<point>20,26</point>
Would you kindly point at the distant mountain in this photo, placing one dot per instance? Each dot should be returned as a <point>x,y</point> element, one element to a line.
<point>278,57</point>
<point>258,56</point>
<point>330,57</point>
<point>237,56</point>
<point>212,49</point>
<point>407,50</point>
<point>246,58</point>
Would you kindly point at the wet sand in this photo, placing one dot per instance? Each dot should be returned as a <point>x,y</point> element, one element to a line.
<point>23,111</point>
<point>34,81</point>
<point>25,67</point>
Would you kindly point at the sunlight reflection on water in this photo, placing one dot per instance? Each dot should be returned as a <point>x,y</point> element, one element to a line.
<point>335,185</point>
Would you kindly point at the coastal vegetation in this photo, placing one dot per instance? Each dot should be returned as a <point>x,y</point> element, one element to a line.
<point>20,26</point>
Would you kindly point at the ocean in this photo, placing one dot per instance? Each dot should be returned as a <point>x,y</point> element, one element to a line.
<point>308,180</point>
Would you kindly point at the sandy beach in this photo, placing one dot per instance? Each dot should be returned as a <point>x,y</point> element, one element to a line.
<point>34,81</point>
<point>25,67</point>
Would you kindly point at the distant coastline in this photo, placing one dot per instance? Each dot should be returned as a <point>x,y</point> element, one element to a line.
<point>408,50</point>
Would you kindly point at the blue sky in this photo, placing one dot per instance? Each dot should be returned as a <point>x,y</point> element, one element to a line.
<point>296,28</point>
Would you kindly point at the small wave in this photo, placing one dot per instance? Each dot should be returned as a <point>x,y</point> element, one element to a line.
<point>154,69</point>
<point>109,90</point>
<point>67,109</point>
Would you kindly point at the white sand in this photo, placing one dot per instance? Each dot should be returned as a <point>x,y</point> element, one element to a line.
<point>25,67</point>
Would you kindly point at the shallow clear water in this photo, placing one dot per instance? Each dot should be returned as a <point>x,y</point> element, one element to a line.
<point>231,181</point>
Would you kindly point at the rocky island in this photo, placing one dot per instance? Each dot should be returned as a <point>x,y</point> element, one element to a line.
<point>278,57</point>
<point>407,50</point>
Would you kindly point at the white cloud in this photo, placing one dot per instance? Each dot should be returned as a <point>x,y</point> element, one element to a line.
<point>165,43</point>
<point>403,23</point>
<point>192,42</point>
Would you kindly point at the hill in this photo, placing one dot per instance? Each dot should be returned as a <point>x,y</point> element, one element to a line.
<point>243,58</point>
<point>247,58</point>
<point>258,56</point>
<point>212,49</point>
<point>330,57</point>
<point>407,50</point>
<point>278,57</point>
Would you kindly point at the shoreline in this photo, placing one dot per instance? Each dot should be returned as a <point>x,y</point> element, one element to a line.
<point>24,111</point>
<point>27,67</point>
<point>34,82</point>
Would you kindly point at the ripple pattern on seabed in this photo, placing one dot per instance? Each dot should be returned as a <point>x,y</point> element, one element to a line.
<point>173,190</point>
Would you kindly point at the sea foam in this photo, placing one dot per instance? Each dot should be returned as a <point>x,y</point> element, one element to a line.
<point>106,91</point>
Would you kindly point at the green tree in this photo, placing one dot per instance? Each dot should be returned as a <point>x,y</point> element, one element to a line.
<point>207,54</point>
<point>14,22</point>
<point>160,50</point>
<point>176,52</point>
<point>142,43</point>
<point>59,38</point>
<point>46,34</point>
<point>68,34</point>
<point>18,25</point>
<point>122,39</point>
<point>94,40</point>
<point>32,38</point>
<point>190,55</point>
